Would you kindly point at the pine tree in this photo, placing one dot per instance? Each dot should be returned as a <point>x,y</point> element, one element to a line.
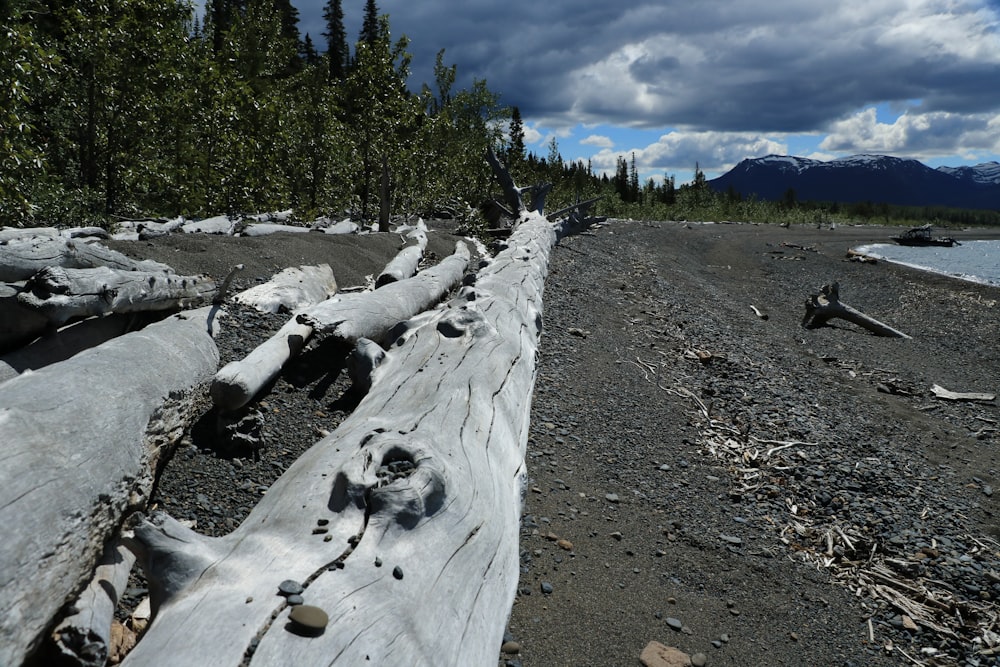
<point>370,27</point>
<point>337,52</point>
<point>516,155</point>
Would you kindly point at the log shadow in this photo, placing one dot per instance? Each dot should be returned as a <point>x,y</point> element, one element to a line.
<point>321,365</point>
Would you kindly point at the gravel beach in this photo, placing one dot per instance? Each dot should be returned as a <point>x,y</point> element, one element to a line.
<point>703,471</point>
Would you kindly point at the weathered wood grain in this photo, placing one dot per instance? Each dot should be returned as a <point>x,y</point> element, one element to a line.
<point>22,258</point>
<point>402,524</point>
<point>63,294</point>
<point>79,441</point>
<point>348,317</point>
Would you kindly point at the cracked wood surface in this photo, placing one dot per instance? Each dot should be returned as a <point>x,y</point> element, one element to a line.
<point>415,568</point>
<point>63,294</point>
<point>349,317</point>
<point>22,258</point>
<point>78,444</point>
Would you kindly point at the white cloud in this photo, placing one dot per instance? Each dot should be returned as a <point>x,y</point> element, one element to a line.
<point>679,152</point>
<point>598,140</point>
<point>915,134</point>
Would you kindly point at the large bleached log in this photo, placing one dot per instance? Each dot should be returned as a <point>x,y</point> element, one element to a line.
<point>822,307</point>
<point>407,260</point>
<point>291,289</point>
<point>401,525</point>
<point>63,344</point>
<point>63,294</point>
<point>79,443</point>
<point>265,228</point>
<point>21,259</point>
<point>220,224</point>
<point>348,317</point>
<point>15,233</point>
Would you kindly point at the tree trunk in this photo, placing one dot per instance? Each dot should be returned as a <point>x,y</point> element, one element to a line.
<point>63,344</point>
<point>79,443</point>
<point>291,289</point>
<point>826,305</point>
<point>401,525</point>
<point>349,317</point>
<point>19,260</point>
<point>63,294</point>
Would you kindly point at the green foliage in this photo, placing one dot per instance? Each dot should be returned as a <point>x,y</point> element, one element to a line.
<point>23,72</point>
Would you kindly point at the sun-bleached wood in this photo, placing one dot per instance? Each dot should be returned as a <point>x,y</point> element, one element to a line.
<point>21,259</point>
<point>822,307</point>
<point>265,228</point>
<point>79,443</point>
<point>348,317</point>
<point>63,344</point>
<point>239,381</point>
<point>419,568</point>
<point>63,294</point>
<point>84,637</point>
<point>291,289</point>
<point>220,224</point>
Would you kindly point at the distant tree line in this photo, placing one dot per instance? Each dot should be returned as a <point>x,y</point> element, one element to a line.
<point>138,107</point>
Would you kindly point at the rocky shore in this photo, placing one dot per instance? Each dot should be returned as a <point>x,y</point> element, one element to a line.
<point>704,472</point>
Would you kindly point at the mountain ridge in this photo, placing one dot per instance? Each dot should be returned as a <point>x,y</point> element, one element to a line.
<point>864,177</point>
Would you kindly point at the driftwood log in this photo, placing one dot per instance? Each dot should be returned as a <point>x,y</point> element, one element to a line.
<point>79,442</point>
<point>401,525</point>
<point>822,307</point>
<point>348,317</point>
<point>291,289</point>
<point>20,259</point>
<point>63,294</point>
<point>63,344</point>
<point>239,381</point>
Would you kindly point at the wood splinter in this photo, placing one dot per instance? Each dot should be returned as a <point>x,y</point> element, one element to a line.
<point>826,305</point>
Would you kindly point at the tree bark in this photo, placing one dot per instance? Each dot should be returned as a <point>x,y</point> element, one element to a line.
<point>402,524</point>
<point>63,294</point>
<point>348,317</point>
<point>79,443</point>
<point>822,307</point>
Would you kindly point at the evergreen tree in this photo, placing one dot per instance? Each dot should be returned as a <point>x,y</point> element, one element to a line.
<point>633,182</point>
<point>337,52</point>
<point>371,26</point>
<point>516,152</point>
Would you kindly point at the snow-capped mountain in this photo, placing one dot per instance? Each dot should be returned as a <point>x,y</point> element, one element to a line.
<point>985,172</point>
<point>874,178</point>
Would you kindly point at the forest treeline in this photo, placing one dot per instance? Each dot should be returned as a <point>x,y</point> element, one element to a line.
<point>113,109</point>
<point>139,107</point>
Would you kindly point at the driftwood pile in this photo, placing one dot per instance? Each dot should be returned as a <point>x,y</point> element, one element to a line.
<point>419,568</point>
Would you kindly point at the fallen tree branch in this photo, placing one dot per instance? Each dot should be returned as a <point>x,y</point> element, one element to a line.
<point>822,307</point>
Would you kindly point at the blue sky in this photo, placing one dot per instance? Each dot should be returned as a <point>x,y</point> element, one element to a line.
<point>716,81</point>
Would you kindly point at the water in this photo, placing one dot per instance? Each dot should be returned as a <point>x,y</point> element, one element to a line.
<point>975,261</point>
